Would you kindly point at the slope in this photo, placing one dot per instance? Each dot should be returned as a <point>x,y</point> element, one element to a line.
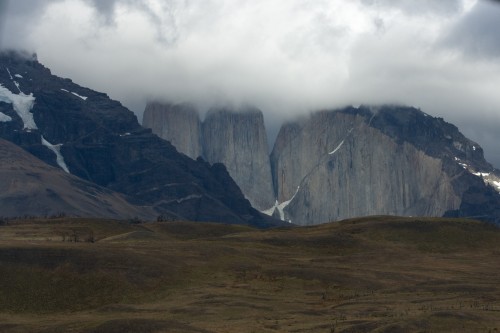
<point>29,187</point>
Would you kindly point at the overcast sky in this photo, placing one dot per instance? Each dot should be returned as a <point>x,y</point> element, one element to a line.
<point>284,56</point>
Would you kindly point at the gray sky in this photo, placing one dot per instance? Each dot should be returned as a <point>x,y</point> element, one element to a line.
<point>285,56</point>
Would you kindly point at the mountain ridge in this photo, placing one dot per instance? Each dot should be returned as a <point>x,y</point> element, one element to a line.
<point>101,141</point>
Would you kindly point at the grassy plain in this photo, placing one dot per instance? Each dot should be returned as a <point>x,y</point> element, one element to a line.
<point>376,274</point>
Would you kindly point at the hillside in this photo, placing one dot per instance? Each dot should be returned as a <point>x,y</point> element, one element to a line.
<point>376,274</point>
<point>30,187</point>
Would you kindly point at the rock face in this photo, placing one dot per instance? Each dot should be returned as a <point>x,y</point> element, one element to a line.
<point>235,137</point>
<point>352,162</point>
<point>99,140</point>
<point>177,123</point>
<point>30,187</point>
<point>393,160</point>
<point>238,140</point>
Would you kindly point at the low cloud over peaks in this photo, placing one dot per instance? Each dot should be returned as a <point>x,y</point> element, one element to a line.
<point>286,56</point>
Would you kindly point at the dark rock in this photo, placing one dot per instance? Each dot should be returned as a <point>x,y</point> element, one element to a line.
<point>101,141</point>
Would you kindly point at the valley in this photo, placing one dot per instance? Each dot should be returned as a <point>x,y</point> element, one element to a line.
<point>375,274</point>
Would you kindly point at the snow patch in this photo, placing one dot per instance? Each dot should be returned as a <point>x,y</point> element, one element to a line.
<point>474,148</point>
<point>80,96</point>
<point>125,134</point>
<point>57,150</point>
<point>281,207</point>
<point>338,147</point>
<point>488,178</point>
<point>341,142</point>
<point>9,73</point>
<point>22,104</point>
<point>4,118</point>
<point>74,93</point>
<point>481,174</point>
<point>17,85</point>
<point>18,76</point>
<point>496,184</point>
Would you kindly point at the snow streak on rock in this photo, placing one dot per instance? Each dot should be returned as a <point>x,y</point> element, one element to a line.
<point>74,93</point>
<point>341,143</point>
<point>57,150</point>
<point>9,73</point>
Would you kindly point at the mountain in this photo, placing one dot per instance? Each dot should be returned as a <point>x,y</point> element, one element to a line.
<point>30,187</point>
<point>235,137</point>
<point>85,133</point>
<point>390,160</point>
<point>337,164</point>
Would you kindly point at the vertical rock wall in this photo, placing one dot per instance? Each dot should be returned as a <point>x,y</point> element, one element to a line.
<point>177,123</point>
<point>339,164</point>
<point>236,138</point>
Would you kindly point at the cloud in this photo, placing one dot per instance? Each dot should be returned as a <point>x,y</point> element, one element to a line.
<point>476,35</point>
<point>285,56</point>
<point>421,7</point>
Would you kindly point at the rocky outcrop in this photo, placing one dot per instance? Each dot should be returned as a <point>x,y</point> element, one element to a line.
<point>238,140</point>
<point>101,141</point>
<point>365,161</point>
<point>177,123</point>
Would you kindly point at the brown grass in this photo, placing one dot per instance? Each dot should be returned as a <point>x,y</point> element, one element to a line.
<point>378,274</point>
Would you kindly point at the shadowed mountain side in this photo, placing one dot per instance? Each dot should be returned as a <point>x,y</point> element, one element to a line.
<point>99,140</point>
<point>30,187</point>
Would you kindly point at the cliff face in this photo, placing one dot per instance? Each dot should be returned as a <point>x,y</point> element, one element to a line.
<point>238,140</point>
<point>354,162</point>
<point>177,123</point>
<point>234,137</point>
<point>346,163</point>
